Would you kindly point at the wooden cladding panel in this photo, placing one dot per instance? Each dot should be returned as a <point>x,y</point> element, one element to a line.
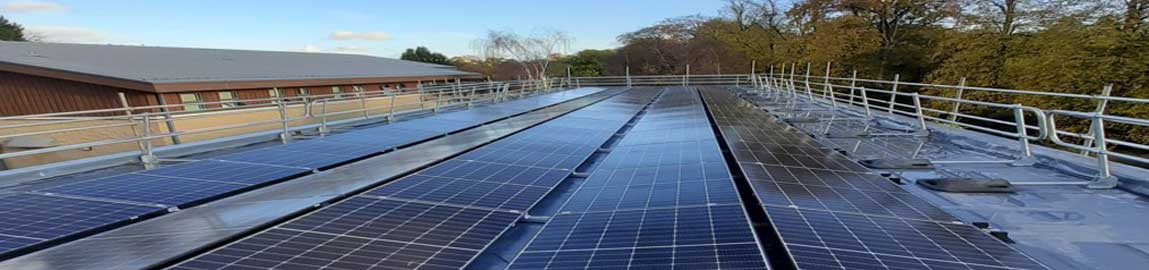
<point>26,94</point>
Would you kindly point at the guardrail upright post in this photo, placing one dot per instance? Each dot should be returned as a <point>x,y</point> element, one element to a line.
<point>1026,153</point>
<point>391,108</point>
<point>128,113</point>
<point>853,85</point>
<point>363,102</point>
<point>957,104</point>
<point>284,135</point>
<point>827,89</point>
<point>323,130</point>
<point>809,91</point>
<point>920,114</point>
<point>686,78</point>
<point>147,156</point>
<point>865,101</point>
<point>793,88</point>
<point>894,95</point>
<point>1105,178</point>
<point>1101,104</point>
<point>471,98</point>
<point>419,89</point>
<point>628,83</point>
<point>769,80</point>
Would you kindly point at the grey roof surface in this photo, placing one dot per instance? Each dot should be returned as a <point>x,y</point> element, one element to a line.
<point>160,65</point>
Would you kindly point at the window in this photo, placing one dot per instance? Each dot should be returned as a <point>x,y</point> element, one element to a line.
<point>227,99</point>
<point>336,91</point>
<point>274,95</point>
<point>191,101</point>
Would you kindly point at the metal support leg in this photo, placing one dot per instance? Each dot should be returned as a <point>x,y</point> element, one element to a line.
<point>1105,178</point>
<point>147,156</point>
<point>284,134</point>
<point>1025,157</point>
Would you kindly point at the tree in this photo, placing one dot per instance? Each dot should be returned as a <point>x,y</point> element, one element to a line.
<point>422,54</point>
<point>533,53</point>
<point>588,63</point>
<point>11,31</point>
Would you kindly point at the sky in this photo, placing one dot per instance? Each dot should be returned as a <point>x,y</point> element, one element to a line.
<point>380,27</point>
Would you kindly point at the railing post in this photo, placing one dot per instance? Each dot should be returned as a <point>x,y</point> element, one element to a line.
<point>284,134</point>
<point>894,94</point>
<point>1105,178</point>
<point>957,104</point>
<point>471,98</point>
<point>128,113</point>
<point>438,99</point>
<point>362,102</point>
<point>1102,102</point>
<point>419,89</point>
<point>853,85</point>
<point>827,90</point>
<point>809,91</point>
<point>323,130</point>
<point>1026,153</point>
<point>793,88</point>
<point>147,156</point>
<point>686,78</point>
<point>769,80</point>
<point>920,114</point>
<point>391,108</point>
<point>865,100</point>
<point>628,83</point>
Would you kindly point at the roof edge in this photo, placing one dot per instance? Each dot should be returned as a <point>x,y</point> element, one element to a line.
<point>77,76</point>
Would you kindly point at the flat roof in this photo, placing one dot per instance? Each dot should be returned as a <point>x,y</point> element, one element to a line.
<point>169,69</point>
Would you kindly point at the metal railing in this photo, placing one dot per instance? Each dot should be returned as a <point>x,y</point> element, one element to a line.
<point>140,125</point>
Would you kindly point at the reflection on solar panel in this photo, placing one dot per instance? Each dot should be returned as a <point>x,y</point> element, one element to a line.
<point>239,173</point>
<point>148,189</point>
<point>274,156</point>
<point>438,218</point>
<point>43,218</point>
<point>662,199</point>
<point>463,192</point>
<point>834,214</point>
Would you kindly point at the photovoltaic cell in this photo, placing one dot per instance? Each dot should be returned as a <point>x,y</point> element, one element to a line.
<point>691,193</point>
<point>239,173</point>
<point>9,243</point>
<point>462,192</point>
<point>727,256</point>
<point>48,217</point>
<point>497,173</point>
<point>334,148</point>
<point>148,189</point>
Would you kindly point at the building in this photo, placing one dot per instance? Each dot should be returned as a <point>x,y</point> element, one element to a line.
<point>40,78</point>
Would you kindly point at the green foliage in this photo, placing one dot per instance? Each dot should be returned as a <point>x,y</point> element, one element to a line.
<point>11,31</point>
<point>587,63</point>
<point>422,54</point>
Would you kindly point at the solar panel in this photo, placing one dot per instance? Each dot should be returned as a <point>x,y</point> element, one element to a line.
<point>273,156</point>
<point>690,193</point>
<point>40,217</point>
<point>429,124</point>
<point>462,192</point>
<point>334,148</point>
<point>632,236</point>
<point>926,241</point>
<point>834,214</point>
<point>239,173</point>
<point>528,158</point>
<point>9,243</point>
<point>497,173</point>
<point>292,249</point>
<point>148,189</point>
<point>375,141</point>
<point>728,256</point>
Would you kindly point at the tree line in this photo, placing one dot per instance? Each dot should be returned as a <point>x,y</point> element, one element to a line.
<point>1063,46</point>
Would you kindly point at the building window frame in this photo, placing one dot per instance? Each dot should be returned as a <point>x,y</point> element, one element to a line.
<point>191,101</point>
<point>228,99</point>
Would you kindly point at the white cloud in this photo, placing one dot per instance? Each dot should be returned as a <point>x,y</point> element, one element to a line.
<point>311,48</point>
<point>34,7</point>
<point>349,35</point>
<point>66,34</point>
<point>338,49</point>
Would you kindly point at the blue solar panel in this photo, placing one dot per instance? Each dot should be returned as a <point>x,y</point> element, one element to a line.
<point>46,218</point>
<point>148,189</point>
<point>292,249</point>
<point>373,141</point>
<point>334,148</point>
<point>730,257</point>
<point>498,173</point>
<point>9,243</point>
<point>463,192</point>
<point>431,124</point>
<point>399,133</point>
<point>273,156</point>
<point>657,175</point>
<point>629,234</point>
<point>525,158</point>
<point>240,173</point>
<point>691,193</point>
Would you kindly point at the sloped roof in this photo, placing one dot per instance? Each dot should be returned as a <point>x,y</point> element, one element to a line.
<point>169,66</point>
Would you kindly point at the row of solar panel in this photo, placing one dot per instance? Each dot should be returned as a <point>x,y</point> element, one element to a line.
<point>832,213</point>
<point>57,212</point>
<point>662,199</point>
<point>439,218</point>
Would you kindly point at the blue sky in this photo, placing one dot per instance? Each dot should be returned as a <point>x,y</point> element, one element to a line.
<point>382,27</point>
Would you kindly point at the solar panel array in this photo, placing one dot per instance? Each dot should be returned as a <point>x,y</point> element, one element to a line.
<point>73,209</point>
<point>441,217</point>
<point>834,214</point>
<point>662,199</point>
